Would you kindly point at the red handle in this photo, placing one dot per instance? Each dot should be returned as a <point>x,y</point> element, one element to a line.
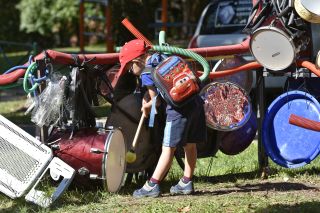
<point>304,122</point>
<point>310,66</point>
<point>62,58</point>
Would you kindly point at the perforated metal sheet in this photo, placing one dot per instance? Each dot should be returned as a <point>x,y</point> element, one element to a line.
<point>22,159</point>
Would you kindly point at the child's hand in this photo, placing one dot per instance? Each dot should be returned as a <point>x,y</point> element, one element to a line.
<point>146,109</point>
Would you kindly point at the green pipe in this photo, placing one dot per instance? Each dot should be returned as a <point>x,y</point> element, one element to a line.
<point>31,69</point>
<point>188,53</point>
<point>162,36</point>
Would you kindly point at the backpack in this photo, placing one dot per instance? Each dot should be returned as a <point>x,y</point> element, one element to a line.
<point>177,83</point>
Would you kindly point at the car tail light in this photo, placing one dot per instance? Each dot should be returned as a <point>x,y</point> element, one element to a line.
<point>193,42</point>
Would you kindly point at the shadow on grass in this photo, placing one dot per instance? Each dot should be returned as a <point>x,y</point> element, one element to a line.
<point>260,187</point>
<point>232,177</point>
<point>305,207</point>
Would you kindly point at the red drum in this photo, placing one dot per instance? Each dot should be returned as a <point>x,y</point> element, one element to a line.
<point>97,156</point>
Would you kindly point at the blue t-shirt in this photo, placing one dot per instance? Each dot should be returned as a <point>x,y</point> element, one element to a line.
<point>173,113</point>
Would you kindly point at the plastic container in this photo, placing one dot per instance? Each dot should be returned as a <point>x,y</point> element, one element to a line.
<point>235,142</point>
<point>289,145</point>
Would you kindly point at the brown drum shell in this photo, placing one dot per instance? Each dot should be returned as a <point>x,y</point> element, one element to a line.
<point>76,153</point>
<point>126,116</point>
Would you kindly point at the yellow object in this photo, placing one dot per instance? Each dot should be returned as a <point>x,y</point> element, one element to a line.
<point>131,157</point>
<point>306,10</point>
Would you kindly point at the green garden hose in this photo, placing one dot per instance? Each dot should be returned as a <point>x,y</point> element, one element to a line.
<point>162,36</point>
<point>31,69</point>
<point>167,49</point>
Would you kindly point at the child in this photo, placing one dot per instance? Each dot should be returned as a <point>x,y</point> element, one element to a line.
<point>184,126</point>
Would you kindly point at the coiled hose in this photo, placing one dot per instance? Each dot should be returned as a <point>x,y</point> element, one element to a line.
<point>184,52</point>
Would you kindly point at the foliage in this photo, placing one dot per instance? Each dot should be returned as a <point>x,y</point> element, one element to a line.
<point>51,19</point>
<point>53,23</point>
<point>46,16</point>
<point>9,21</point>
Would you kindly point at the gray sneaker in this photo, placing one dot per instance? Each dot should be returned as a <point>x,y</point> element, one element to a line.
<point>147,191</point>
<point>182,188</point>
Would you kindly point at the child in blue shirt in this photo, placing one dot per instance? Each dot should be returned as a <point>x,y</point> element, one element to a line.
<point>185,126</point>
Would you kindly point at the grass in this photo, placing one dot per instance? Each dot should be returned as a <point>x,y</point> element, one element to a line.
<point>14,111</point>
<point>232,185</point>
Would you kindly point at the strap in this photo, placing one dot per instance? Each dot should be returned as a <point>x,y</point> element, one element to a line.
<point>153,111</point>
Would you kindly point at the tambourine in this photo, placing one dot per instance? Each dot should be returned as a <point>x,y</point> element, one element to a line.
<point>227,106</point>
<point>308,10</point>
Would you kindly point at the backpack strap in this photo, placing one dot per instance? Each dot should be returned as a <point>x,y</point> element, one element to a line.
<point>153,111</point>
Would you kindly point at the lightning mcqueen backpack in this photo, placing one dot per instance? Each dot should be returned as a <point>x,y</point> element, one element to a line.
<point>177,83</point>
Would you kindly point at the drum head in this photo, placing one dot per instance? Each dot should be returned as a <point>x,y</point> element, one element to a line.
<point>286,144</point>
<point>312,6</point>
<point>272,48</point>
<point>227,106</point>
<point>114,165</point>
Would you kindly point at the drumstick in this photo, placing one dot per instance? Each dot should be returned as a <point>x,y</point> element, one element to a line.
<point>304,122</point>
<point>131,155</point>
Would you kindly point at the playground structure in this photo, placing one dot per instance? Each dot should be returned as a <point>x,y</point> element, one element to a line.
<point>107,35</point>
<point>118,89</point>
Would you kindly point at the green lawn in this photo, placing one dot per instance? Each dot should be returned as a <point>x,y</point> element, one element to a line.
<point>232,185</point>
<point>14,110</point>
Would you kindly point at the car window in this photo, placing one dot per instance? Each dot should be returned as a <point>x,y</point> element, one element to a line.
<point>225,17</point>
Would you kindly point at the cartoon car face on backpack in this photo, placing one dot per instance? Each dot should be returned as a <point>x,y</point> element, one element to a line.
<point>183,86</point>
<point>181,81</point>
<point>176,81</point>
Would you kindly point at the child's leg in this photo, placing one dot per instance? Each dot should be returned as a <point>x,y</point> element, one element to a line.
<point>151,188</point>
<point>190,150</point>
<point>164,163</point>
<point>185,185</point>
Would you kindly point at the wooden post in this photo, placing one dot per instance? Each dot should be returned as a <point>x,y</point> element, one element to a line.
<point>164,15</point>
<point>81,26</point>
<point>109,38</point>
<point>42,132</point>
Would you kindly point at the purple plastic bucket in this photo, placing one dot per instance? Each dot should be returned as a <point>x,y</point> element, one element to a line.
<point>235,142</point>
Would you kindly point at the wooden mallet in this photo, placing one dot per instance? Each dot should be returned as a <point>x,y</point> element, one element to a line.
<point>131,155</point>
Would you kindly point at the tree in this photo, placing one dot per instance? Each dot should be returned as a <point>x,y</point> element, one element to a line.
<point>9,21</point>
<point>48,17</point>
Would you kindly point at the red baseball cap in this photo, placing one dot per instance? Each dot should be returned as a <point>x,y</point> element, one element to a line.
<point>130,51</point>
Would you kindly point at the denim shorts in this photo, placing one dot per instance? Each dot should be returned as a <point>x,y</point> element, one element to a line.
<point>186,129</point>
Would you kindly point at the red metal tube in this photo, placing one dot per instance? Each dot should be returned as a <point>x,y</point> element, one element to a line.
<point>304,122</point>
<point>245,67</point>
<point>310,66</point>
<point>61,58</point>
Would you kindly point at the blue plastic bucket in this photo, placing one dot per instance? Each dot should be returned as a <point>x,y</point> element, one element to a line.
<point>235,142</point>
<point>289,145</point>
